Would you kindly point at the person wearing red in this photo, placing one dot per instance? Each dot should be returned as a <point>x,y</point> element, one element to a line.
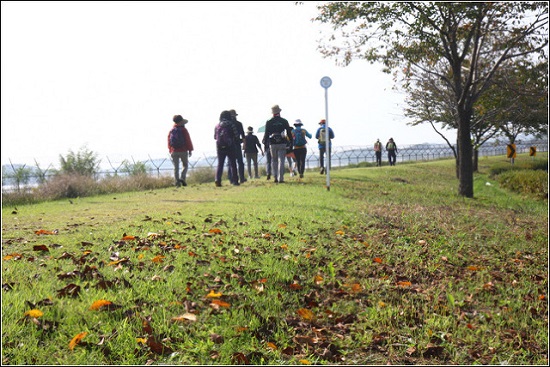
<point>181,153</point>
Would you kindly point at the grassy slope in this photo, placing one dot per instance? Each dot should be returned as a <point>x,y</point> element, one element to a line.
<point>388,266</point>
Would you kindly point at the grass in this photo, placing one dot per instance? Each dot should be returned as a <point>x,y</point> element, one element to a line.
<point>388,266</point>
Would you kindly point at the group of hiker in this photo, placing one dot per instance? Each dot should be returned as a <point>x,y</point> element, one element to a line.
<point>280,142</point>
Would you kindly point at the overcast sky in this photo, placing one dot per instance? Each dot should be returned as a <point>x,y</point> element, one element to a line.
<point>109,76</point>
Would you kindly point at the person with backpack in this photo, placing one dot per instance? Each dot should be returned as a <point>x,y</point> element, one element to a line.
<point>238,145</point>
<point>378,152</point>
<point>321,135</point>
<point>251,145</point>
<point>275,130</point>
<point>180,147</point>
<point>299,141</point>
<point>391,148</point>
<point>225,134</point>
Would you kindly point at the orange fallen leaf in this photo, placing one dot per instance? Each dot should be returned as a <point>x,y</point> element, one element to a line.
<point>295,286</point>
<point>43,231</point>
<point>282,225</point>
<point>404,284</point>
<point>304,361</point>
<point>77,339</point>
<point>377,260</point>
<point>158,259</point>
<point>99,303</point>
<point>215,231</point>
<point>34,313</point>
<point>128,238</point>
<point>272,346</point>
<point>306,314</point>
<point>473,268</point>
<point>213,294</point>
<point>318,279</point>
<point>339,232</point>
<point>221,303</point>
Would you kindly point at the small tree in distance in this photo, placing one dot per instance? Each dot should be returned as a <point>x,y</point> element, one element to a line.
<point>84,163</point>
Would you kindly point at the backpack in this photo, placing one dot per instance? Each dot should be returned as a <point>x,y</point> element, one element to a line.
<point>176,138</point>
<point>299,138</point>
<point>224,135</point>
<point>322,136</point>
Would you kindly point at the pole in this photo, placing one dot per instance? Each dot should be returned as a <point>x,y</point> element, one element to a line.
<point>327,141</point>
<point>326,82</point>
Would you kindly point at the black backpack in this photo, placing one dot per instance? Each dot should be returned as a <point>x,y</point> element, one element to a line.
<point>225,136</point>
<point>177,139</point>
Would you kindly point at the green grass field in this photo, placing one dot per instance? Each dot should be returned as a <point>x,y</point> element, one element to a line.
<point>389,266</point>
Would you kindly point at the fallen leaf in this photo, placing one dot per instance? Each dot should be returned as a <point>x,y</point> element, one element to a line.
<point>306,314</point>
<point>186,316</point>
<point>213,294</point>
<point>34,313</point>
<point>377,260</point>
<point>77,339</point>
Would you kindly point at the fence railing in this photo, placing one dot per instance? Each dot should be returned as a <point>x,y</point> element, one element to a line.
<point>340,156</point>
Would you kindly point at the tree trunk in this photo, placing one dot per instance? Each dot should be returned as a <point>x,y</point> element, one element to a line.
<point>466,175</point>
<point>476,160</point>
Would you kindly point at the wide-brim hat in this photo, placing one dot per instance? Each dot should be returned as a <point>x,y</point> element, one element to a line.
<point>323,121</point>
<point>276,109</point>
<point>298,122</point>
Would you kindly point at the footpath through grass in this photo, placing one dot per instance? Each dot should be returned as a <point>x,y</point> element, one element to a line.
<point>389,266</point>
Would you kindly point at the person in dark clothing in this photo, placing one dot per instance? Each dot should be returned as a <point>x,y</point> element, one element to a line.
<point>275,130</point>
<point>320,135</point>
<point>378,152</point>
<point>238,146</point>
<point>251,145</point>
<point>391,148</point>
<point>226,127</point>
<point>181,153</point>
<point>267,151</point>
<point>300,150</point>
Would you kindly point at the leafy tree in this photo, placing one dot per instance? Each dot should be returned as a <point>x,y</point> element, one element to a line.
<point>134,169</point>
<point>21,175</point>
<point>84,163</point>
<point>470,41</point>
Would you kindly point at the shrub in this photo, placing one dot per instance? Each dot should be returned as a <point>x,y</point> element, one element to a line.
<point>532,182</point>
<point>202,175</point>
<point>83,163</point>
<point>67,186</point>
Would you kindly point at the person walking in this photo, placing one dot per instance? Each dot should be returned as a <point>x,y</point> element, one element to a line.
<point>275,128</point>
<point>251,145</point>
<point>300,150</point>
<point>391,148</point>
<point>238,145</point>
<point>320,135</point>
<point>267,151</point>
<point>378,152</point>
<point>225,135</point>
<point>180,147</point>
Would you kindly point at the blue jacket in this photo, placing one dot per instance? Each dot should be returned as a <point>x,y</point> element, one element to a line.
<point>330,135</point>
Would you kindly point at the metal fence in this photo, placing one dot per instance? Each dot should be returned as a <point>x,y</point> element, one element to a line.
<point>340,156</point>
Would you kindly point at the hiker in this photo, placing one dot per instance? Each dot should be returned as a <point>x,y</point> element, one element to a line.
<point>238,145</point>
<point>378,152</point>
<point>225,135</point>
<point>300,150</point>
<point>391,148</point>
<point>320,135</point>
<point>180,147</point>
<point>251,145</point>
<point>267,151</point>
<point>275,128</point>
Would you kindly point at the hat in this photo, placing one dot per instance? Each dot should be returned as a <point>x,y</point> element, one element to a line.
<point>250,129</point>
<point>276,109</point>
<point>233,112</point>
<point>298,122</point>
<point>178,119</point>
<point>323,121</point>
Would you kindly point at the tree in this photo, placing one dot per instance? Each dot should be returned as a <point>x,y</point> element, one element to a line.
<point>84,163</point>
<point>470,41</point>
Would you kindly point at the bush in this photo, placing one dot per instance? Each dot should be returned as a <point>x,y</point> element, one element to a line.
<point>532,182</point>
<point>67,186</point>
<point>201,175</point>
<point>497,169</point>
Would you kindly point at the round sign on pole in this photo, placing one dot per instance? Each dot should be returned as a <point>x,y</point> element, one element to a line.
<point>326,82</point>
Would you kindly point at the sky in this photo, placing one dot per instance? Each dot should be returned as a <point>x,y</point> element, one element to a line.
<point>109,76</point>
